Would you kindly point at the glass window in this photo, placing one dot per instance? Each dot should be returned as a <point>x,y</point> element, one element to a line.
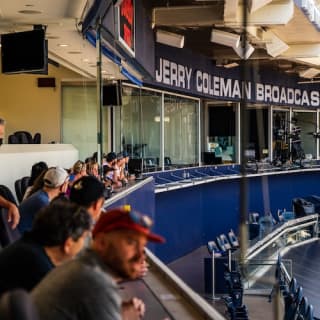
<point>280,136</point>
<point>137,124</point>
<point>79,118</point>
<point>221,139</point>
<point>303,140</point>
<point>257,122</point>
<point>181,132</point>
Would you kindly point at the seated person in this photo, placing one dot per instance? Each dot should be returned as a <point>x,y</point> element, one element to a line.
<point>93,169</point>
<point>110,170</point>
<point>90,281</point>
<point>57,235</point>
<point>78,170</point>
<point>55,181</point>
<point>36,170</point>
<point>88,192</point>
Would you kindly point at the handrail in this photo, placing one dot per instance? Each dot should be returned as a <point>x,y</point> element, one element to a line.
<point>193,297</point>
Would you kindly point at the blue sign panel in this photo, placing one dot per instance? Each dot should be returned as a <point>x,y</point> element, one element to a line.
<point>182,71</point>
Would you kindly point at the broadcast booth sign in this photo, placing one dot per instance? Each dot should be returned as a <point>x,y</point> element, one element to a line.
<point>126,24</point>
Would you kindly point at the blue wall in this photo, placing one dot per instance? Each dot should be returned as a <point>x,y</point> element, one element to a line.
<point>189,217</point>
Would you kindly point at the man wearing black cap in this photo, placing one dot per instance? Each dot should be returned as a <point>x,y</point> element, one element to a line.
<point>89,192</point>
<point>86,288</point>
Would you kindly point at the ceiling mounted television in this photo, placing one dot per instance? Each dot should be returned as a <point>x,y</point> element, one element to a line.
<point>24,52</point>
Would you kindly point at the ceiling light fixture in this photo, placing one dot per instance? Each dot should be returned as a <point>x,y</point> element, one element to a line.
<point>244,53</point>
<point>225,38</point>
<point>309,73</point>
<point>170,39</point>
<point>274,45</point>
<point>63,45</point>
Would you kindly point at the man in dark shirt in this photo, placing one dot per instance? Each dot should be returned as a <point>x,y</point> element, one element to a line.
<point>57,235</point>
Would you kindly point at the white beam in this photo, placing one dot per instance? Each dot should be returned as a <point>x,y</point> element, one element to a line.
<point>254,5</point>
<point>302,51</point>
<point>206,15</point>
<point>274,45</point>
<point>275,13</point>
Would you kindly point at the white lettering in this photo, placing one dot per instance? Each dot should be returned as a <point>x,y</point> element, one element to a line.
<point>199,81</point>
<point>181,76</point>
<point>305,98</point>
<point>259,92</point>
<point>188,73</point>
<point>236,90</point>
<point>225,87</point>
<point>159,72</point>
<point>216,86</point>
<point>174,74</point>
<point>315,98</point>
<point>166,71</point>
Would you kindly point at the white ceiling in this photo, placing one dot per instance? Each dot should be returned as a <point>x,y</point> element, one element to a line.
<point>61,18</point>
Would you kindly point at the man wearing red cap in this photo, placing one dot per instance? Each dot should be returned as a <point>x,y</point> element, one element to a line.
<point>86,288</point>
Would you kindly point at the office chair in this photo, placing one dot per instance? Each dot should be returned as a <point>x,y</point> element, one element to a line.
<point>17,305</point>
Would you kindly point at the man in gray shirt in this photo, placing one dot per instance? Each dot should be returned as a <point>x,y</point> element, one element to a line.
<point>86,288</point>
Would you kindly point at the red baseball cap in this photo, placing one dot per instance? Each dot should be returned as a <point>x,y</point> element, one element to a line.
<point>126,218</point>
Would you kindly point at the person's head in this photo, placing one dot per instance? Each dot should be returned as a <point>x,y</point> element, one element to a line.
<point>63,225</point>
<point>120,159</point>
<point>36,170</point>
<point>125,156</point>
<point>88,192</point>
<point>120,236</point>
<point>93,168</point>
<point>2,125</point>
<point>56,178</point>
<point>111,158</point>
<point>79,168</point>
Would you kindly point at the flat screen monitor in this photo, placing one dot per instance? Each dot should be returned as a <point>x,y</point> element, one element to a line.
<point>24,52</point>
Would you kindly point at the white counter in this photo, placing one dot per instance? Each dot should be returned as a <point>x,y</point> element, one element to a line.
<point>16,160</point>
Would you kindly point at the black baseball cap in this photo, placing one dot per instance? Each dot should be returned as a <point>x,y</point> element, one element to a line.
<point>87,190</point>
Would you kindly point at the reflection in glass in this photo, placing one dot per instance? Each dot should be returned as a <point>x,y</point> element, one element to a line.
<point>137,125</point>
<point>304,128</point>
<point>181,131</point>
<point>281,137</point>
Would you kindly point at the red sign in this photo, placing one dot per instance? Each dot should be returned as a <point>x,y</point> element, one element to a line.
<point>127,23</point>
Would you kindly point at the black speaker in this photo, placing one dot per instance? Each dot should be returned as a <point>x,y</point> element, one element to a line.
<point>46,82</point>
<point>112,95</point>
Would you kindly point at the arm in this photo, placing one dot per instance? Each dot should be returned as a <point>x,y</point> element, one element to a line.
<point>13,212</point>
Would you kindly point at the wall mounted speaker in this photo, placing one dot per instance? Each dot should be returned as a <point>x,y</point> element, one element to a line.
<point>112,95</point>
<point>46,82</point>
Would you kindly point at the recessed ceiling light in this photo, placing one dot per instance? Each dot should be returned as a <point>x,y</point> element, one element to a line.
<point>63,45</point>
<point>74,52</point>
<point>30,11</point>
<point>85,60</point>
<point>52,37</point>
<point>29,5</point>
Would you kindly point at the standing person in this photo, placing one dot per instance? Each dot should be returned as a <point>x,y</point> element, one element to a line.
<point>57,235</point>
<point>90,281</point>
<point>55,182</point>
<point>13,212</point>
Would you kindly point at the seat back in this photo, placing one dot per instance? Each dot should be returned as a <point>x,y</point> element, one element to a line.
<point>24,137</point>
<point>24,184</point>
<point>18,189</point>
<point>7,194</point>
<point>233,239</point>
<point>225,241</point>
<point>17,305</point>
<point>7,234</point>
<point>213,249</point>
<point>12,139</point>
<point>37,138</point>
<point>309,315</point>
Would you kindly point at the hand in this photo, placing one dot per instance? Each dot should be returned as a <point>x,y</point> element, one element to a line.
<point>13,215</point>
<point>133,309</point>
<point>144,267</point>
